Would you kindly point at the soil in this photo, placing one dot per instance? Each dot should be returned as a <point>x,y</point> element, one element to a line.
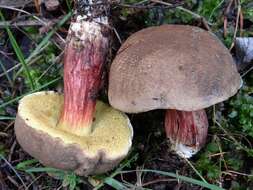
<point>149,140</point>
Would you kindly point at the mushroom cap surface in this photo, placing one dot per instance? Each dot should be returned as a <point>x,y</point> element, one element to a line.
<point>171,67</point>
<point>37,133</point>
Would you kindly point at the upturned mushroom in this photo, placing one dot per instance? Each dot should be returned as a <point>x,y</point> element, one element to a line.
<point>183,69</point>
<point>72,132</point>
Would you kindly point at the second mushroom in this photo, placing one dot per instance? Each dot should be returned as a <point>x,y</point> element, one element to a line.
<point>183,69</point>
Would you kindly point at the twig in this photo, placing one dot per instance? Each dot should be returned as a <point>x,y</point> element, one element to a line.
<point>21,23</point>
<point>25,12</point>
<point>9,126</point>
<point>2,134</point>
<point>15,3</point>
<point>195,170</point>
<point>33,181</point>
<point>225,23</point>
<point>157,181</point>
<point>13,181</point>
<point>117,35</point>
<point>221,155</point>
<point>19,64</point>
<point>56,60</point>
<point>12,150</point>
<point>236,24</point>
<point>37,5</point>
<point>195,15</point>
<point>141,2</point>
<point>6,74</point>
<point>138,6</point>
<point>241,22</point>
<point>239,173</point>
<point>13,169</point>
<point>217,154</point>
<point>35,17</point>
<point>230,136</point>
<point>215,8</point>
<point>225,18</point>
<point>139,176</point>
<point>246,72</point>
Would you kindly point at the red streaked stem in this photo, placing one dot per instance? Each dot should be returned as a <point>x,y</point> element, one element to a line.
<point>85,54</point>
<point>187,131</point>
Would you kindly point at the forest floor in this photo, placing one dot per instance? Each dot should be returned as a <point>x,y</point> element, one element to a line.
<point>32,40</point>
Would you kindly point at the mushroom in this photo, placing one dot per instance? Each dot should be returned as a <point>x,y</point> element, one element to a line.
<point>38,134</point>
<point>72,132</point>
<point>183,69</point>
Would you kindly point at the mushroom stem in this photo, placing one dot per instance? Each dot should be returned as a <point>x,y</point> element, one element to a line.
<point>187,130</point>
<point>85,52</point>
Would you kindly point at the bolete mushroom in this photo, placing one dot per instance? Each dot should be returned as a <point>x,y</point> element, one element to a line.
<point>180,68</point>
<point>73,132</point>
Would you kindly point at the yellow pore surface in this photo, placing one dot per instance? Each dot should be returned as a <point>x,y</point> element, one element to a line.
<point>111,129</point>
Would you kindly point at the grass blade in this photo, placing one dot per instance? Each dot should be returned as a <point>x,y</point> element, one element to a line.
<point>19,53</point>
<point>6,118</point>
<point>43,169</point>
<point>114,183</point>
<point>49,35</point>
<point>13,169</point>
<point>35,90</point>
<point>5,73</point>
<point>46,39</point>
<point>179,177</point>
<point>26,164</point>
<point>124,164</point>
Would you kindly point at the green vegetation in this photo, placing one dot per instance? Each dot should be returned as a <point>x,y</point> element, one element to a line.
<point>226,159</point>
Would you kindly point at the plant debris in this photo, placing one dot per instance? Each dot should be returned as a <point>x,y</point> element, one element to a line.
<point>32,38</point>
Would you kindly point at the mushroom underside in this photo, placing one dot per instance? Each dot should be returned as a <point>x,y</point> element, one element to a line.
<point>37,132</point>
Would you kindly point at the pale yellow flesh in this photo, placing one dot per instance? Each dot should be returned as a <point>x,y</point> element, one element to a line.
<point>112,131</point>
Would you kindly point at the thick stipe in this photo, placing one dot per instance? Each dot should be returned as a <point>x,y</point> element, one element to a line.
<point>83,62</point>
<point>187,131</point>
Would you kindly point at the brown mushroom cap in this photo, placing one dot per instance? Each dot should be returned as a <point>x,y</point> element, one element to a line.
<point>37,132</point>
<point>171,66</point>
